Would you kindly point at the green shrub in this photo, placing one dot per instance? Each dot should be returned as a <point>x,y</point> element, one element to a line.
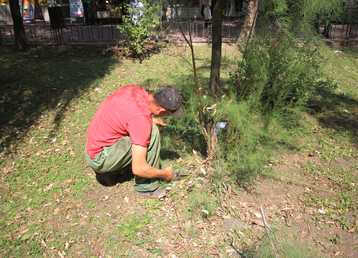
<point>139,24</point>
<point>279,73</point>
<point>300,17</point>
<point>189,126</point>
<point>243,147</point>
<point>241,150</point>
<point>275,76</point>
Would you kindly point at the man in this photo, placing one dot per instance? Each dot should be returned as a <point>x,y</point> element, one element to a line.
<point>124,132</point>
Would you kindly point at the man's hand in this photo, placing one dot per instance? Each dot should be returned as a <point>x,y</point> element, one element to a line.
<point>141,168</point>
<point>158,121</point>
<point>169,174</point>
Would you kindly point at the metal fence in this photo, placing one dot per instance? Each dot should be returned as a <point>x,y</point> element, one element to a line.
<point>110,34</point>
<point>71,34</point>
<point>38,34</point>
<point>343,32</point>
<point>201,31</point>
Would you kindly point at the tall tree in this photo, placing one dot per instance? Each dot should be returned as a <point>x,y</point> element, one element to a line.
<point>250,21</point>
<point>218,10</point>
<point>19,30</point>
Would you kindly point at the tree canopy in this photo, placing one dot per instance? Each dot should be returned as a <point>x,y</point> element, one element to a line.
<point>299,15</point>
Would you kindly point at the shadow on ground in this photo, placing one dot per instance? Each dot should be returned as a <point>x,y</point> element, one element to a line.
<point>226,64</point>
<point>113,178</point>
<point>352,51</point>
<point>42,80</point>
<point>338,112</point>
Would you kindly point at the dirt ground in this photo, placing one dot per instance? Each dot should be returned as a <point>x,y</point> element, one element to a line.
<point>94,224</point>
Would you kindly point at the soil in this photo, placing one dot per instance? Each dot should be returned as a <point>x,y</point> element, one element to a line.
<point>280,198</point>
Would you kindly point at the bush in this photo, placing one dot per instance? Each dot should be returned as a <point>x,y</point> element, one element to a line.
<point>241,145</point>
<point>274,77</point>
<point>139,24</point>
<point>300,17</point>
<point>279,73</point>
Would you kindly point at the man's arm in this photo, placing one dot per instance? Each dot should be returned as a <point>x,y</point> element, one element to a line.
<point>158,121</point>
<point>141,168</point>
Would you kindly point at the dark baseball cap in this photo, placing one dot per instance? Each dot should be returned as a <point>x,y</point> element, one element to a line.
<point>170,99</point>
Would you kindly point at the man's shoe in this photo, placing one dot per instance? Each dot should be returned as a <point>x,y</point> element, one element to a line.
<point>156,194</point>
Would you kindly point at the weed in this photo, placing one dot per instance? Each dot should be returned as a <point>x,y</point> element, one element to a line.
<point>156,251</point>
<point>20,247</point>
<point>286,249</point>
<point>132,226</point>
<point>202,203</point>
<point>152,204</point>
<point>91,204</point>
<point>280,244</point>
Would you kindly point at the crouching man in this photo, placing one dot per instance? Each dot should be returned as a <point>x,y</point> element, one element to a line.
<point>124,133</point>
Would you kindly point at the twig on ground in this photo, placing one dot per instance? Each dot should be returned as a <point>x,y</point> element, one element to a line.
<point>234,247</point>
<point>269,232</point>
<point>267,227</point>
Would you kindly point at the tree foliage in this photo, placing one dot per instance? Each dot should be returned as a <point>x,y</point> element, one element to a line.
<point>298,16</point>
<point>138,24</point>
<point>279,73</point>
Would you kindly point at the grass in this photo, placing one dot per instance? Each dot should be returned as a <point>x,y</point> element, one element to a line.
<point>282,246</point>
<point>133,225</point>
<point>51,204</point>
<point>335,140</point>
<point>202,204</point>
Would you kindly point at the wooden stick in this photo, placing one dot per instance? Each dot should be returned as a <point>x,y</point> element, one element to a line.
<point>268,231</point>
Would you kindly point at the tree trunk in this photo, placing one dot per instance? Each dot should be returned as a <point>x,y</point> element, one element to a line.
<point>164,12</point>
<point>218,9</point>
<point>250,21</point>
<point>19,30</point>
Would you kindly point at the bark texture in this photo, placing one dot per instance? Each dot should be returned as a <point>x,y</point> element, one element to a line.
<point>19,30</point>
<point>249,22</point>
<point>218,10</point>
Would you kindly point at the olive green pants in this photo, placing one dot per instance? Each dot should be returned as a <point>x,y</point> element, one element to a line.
<point>117,157</point>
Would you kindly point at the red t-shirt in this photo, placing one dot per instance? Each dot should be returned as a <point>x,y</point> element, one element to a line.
<point>124,113</point>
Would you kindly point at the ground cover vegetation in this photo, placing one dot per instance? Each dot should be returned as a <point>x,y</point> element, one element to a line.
<point>52,205</point>
<point>290,110</point>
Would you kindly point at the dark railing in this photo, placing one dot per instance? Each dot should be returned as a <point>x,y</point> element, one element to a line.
<point>343,32</point>
<point>38,34</point>
<point>201,30</point>
<point>71,34</point>
<point>110,34</point>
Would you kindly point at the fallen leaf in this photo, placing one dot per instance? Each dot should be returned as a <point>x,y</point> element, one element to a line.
<point>48,187</point>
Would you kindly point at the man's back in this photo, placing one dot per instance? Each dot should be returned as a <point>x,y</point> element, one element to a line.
<point>124,113</point>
